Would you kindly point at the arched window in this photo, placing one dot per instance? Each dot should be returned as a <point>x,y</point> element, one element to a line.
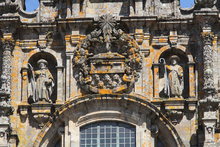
<point>108,134</point>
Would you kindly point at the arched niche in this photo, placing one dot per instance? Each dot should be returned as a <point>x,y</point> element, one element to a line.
<point>52,64</point>
<point>55,63</point>
<point>128,109</point>
<point>186,62</point>
<point>183,64</point>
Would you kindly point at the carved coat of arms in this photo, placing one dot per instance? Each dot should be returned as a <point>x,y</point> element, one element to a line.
<point>108,60</point>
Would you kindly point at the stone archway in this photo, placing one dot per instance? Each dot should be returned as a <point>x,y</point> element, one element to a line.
<point>147,119</point>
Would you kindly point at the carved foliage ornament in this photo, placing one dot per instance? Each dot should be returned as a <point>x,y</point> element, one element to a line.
<point>108,60</point>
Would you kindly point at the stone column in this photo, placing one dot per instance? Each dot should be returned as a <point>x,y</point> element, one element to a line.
<point>7,45</point>
<point>192,89</point>
<point>68,76</point>
<point>60,93</point>
<point>208,86</point>
<point>156,80</point>
<point>24,74</point>
<point>61,132</point>
<point>209,103</point>
<point>5,89</point>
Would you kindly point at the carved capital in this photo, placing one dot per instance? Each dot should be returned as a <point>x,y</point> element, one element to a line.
<point>8,44</point>
<point>5,108</point>
<point>207,37</point>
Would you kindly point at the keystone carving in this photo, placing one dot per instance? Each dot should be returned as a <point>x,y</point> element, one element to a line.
<point>108,60</point>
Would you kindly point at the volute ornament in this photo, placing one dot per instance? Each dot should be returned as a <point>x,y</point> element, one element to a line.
<point>108,60</point>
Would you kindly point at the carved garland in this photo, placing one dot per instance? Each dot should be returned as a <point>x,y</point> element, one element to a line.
<point>108,60</point>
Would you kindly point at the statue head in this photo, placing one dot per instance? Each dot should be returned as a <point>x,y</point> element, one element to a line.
<point>96,77</point>
<point>107,77</point>
<point>116,77</point>
<point>174,59</point>
<point>42,64</point>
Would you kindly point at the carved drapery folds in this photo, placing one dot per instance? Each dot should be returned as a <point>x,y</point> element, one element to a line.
<point>42,83</point>
<point>173,77</point>
<point>108,60</point>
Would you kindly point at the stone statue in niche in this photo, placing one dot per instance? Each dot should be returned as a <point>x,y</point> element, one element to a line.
<point>174,78</point>
<point>42,82</point>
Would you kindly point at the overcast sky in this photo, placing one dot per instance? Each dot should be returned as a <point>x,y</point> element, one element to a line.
<point>31,5</point>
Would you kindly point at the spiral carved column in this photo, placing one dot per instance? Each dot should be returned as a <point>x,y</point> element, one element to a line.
<point>7,45</point>
<point>5,90</point>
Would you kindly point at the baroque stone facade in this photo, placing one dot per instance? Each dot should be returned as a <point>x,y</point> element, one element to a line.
<point>109,73</point>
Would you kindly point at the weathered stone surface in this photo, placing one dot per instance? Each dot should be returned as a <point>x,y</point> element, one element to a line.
<point>104,64</point>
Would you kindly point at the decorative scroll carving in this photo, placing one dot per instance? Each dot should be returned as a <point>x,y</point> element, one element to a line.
<point>108,60</point>
<point>8,45</point>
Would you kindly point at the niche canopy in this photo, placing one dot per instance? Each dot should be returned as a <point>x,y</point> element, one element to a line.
<point>108,60</point>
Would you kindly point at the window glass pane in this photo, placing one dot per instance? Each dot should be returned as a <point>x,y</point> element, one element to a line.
<point>108,134</point>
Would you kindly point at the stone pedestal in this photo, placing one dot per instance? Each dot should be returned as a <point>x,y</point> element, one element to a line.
<point>41,112</point>
<point>209,122</point>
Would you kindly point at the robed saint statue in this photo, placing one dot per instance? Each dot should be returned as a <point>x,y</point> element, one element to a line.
<point>42,82</point>
<point>174,78</point>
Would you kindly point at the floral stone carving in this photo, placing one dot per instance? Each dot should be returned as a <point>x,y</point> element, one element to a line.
<point>108,60</point>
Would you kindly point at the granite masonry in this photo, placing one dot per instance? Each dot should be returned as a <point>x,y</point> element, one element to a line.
<point>110,73</point>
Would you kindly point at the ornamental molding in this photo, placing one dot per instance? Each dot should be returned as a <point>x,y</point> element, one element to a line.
<point>107,60</point>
